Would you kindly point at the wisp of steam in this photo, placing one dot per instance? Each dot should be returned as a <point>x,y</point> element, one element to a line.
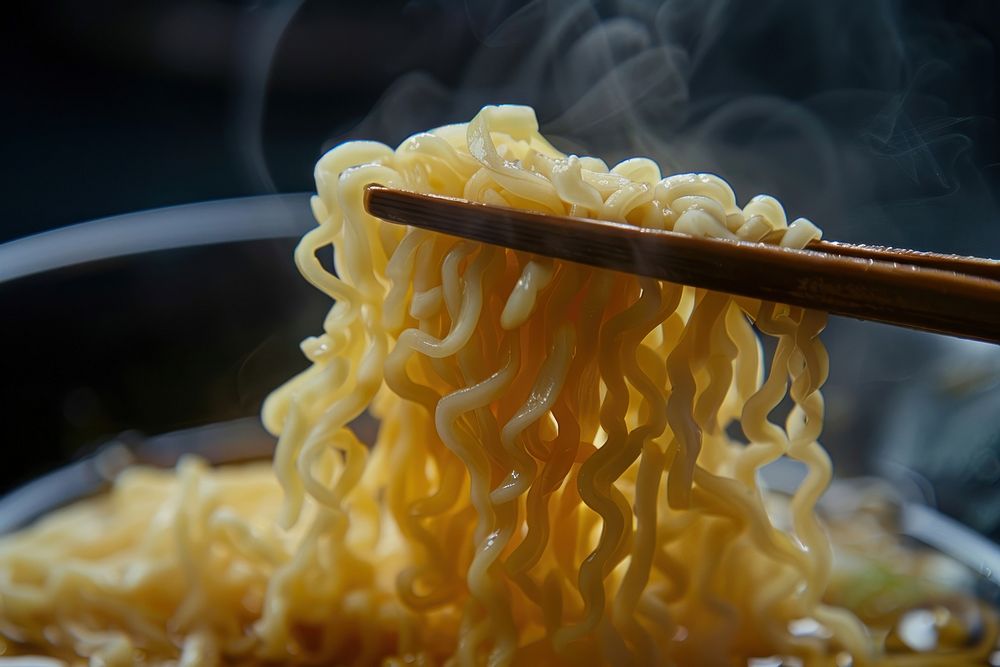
<point>852,115</point>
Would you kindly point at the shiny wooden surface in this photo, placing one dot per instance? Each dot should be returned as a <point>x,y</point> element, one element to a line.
<point>957,296</point>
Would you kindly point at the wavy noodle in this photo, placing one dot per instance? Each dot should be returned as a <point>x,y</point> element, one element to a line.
<point>555,479</point>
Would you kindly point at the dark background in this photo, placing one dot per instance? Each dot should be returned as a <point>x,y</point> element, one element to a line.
<point>112,106</point>
<point>875,119</point>
<point>116,106</point>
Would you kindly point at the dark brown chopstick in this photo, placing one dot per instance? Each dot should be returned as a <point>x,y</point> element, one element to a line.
<point>876,284</point>
<point>973,266</point>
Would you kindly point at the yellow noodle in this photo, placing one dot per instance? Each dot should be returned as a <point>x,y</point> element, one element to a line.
<point>553,480</point>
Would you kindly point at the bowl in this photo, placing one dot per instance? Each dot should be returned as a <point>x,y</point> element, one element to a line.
<point>145,337</point>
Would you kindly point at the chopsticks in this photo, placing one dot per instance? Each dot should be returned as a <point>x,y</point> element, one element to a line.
<point>947,294</point>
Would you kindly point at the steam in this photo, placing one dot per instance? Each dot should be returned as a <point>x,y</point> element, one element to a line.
<point>851,115</point>
<point>263,27</point>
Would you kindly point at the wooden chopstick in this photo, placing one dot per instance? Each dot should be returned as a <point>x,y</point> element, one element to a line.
<point>925,291</point>
<point>973,266</point>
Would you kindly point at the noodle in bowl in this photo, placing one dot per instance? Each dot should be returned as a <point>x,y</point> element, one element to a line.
<point>554,479</point>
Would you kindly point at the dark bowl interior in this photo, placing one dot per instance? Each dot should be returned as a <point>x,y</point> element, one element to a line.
<point>151,341</point>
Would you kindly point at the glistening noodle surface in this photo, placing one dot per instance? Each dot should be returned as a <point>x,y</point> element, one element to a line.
<point>553,481</point>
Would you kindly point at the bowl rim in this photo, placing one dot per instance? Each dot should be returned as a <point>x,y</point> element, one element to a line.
<point>217,221</point>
